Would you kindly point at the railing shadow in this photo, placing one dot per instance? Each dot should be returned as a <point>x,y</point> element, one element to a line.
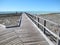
<point>18,25</point>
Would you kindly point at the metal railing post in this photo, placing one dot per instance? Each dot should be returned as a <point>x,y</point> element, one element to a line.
<point>44,25</point>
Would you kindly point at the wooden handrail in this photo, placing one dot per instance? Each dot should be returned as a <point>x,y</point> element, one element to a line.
<point>48,30</point>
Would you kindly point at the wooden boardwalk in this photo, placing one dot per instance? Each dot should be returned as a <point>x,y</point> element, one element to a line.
<point>26,34</point>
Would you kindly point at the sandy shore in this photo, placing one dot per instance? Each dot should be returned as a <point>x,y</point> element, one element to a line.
<point>9,20</point>
<point>52,17</point>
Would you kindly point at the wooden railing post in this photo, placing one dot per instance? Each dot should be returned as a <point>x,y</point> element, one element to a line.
<point>38,21</point>
<point>58,43</point>
<point>35,17</point>
<point>44,25</point>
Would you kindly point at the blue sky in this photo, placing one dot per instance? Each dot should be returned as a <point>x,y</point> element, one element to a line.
<point>30,5</point>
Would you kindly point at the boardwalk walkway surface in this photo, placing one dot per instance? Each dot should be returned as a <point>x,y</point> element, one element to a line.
<point>26,34</point>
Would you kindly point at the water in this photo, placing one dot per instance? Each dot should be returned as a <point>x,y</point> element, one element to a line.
<point>40,12</point>
<point>31,12</point>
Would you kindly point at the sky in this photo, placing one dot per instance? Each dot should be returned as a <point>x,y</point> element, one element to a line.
<point>30,5</point>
